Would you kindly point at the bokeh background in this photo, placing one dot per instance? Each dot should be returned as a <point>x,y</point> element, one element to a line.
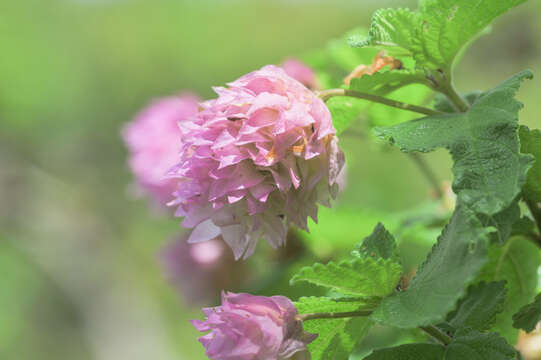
<point>79,270</point>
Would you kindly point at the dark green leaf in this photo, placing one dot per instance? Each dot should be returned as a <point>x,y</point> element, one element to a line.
<point>516,262</point>
<point>530,143</point>
<point>409,352</point>
<point>443,104</point>
<point>473,345</point>
<point>479,308</point>
<point>379,244</point>
<point>364,277</point>
<point>440,281</point>
<point>528,316</point>
<point>489,169</point>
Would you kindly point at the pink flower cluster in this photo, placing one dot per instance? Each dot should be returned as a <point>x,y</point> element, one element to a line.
<point>153,140</point>
<point>255,160</point>
<point>248,327</point>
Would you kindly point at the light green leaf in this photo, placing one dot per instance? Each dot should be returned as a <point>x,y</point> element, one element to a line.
<point>436,33</point>
<point>379,244</point>
<point>473,345</point>
<point>409,352</point>
<point>364,277</point>
<point>314,304</point>
<point>530,143</point>
<point>528,316</point>
<point>479,308</point>
<point>385,82</point>
<point>345,111</point>
<point>516,262</point>
<point>441,280</point>
<point>336,337</point>
<point>489,169</point>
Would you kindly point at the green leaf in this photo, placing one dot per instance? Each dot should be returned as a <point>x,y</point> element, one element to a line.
<point>379,244</point>
<point>530,143</point>
<point>489,169</point>
<point>345,111</point>
<point>473,345</point>
<point>479,308</point>
<point>516,262</point>
<point>314,304</point>
<point>364,277</point>
<point>441,280</point>
<point>336,337</point>
<point>503,222</point>
<point>385,82</point>
<point>443,104</point>
<point>409,352</point>
<point>528,316</point>
<point>435,34</point>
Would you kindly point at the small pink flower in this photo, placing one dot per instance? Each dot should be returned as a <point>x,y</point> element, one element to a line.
<point>199,271</point>
<point>300,72</point>
<point>248,327</point>
<point>255,160</point>
<point>153,140</point>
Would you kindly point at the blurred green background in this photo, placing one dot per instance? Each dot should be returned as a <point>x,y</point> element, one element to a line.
<point>79,276</point>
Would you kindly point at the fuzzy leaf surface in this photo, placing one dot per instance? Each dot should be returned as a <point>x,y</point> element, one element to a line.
<point>379,244</point>
<point>489,169</point>
<point>453,263</point>
<point>530,143</point>
<point>436,33</point>
<point>516,262</point>
<point>474,345</point>
<point>479,308</point>
<point>363,277</point>
<point>336,337</point>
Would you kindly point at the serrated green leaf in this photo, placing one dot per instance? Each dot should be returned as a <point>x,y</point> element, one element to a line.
<point>336,337</point>
<point>364,277</point>
<point>314,304</point>
<point>473,345</point>
<point>528,316</point>
<point>516,262</point>
<point>479,308</point>
<point>440,281</point>
<point>489,169</point>
<point>435,34</point>
<point>409,352</point>
<point>530,143</point>
<point>379,244</point>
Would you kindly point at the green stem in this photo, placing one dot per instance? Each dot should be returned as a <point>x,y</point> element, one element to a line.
<point>428,173</point>
<point>455,97</point>
<point>327,94</point>
<point>437,334</point>
<point>334,315</point>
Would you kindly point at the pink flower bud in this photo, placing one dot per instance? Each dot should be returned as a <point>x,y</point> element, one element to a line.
<point>300,72</point>
<point>248,327</point>
<point>153,140</point>
<point>255,160</point>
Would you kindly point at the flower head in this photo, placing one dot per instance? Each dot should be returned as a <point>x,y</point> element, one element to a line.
<point>153,140</point>
<point>300,72</point>
<point>255,160</point>
<point>248,327</point>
